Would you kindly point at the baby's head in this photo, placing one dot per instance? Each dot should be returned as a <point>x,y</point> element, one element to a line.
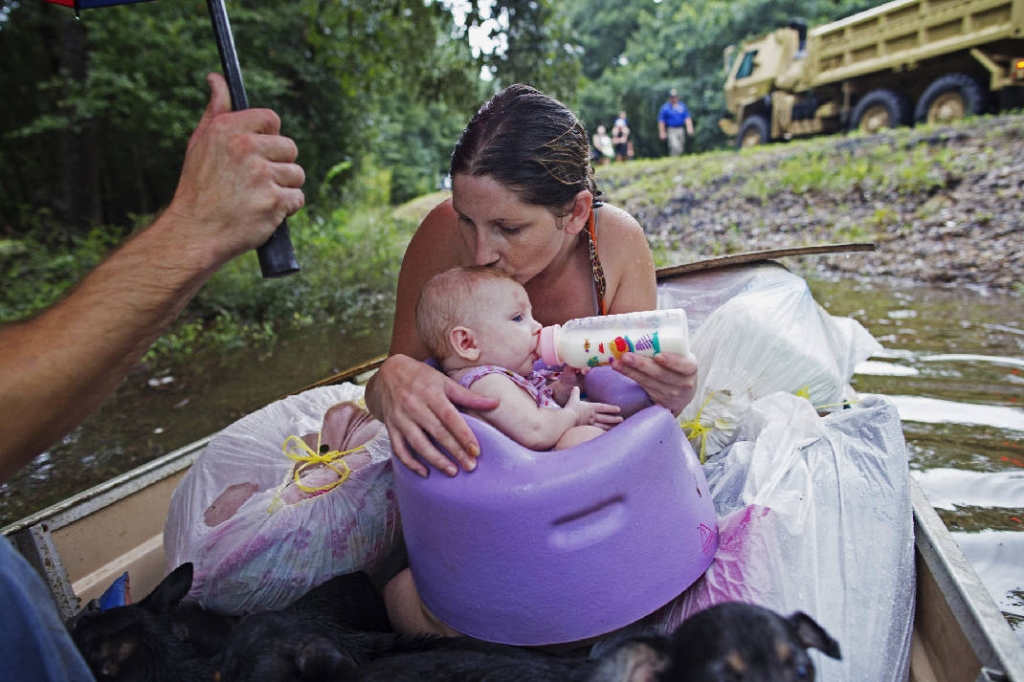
<point>477,315</point>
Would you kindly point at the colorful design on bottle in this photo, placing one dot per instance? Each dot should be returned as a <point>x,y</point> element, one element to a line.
<point>590,342</point>
<point>619,346</point>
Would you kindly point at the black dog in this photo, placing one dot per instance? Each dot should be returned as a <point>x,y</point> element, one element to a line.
<point>726,643</point>
<point>302,640</point>
<point>164,638</point>
<point>160,638</point>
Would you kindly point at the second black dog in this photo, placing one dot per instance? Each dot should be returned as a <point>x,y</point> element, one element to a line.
<point>726,643</point>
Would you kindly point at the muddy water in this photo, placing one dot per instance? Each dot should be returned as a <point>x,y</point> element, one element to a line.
<point>158,411</point>
<point>953,363</point>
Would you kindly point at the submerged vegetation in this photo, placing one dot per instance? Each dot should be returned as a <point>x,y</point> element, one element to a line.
<point>349,260</point>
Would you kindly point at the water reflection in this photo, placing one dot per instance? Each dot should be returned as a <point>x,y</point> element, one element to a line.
<point>935,411</point>
<point>996,556</point>
<point>952,364</point>
<point>156,412</point>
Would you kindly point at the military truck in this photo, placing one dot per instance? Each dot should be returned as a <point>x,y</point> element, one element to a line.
<point>903,62</point>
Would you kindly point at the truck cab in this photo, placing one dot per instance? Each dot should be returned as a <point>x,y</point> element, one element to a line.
<point>906,61</point>
<point>763,66</point>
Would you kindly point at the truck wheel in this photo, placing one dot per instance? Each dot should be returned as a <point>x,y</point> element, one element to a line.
<point>951,98</point>
<point>880,109</point>
<point>753,132</point>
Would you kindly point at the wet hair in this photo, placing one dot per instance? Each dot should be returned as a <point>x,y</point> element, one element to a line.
<point>442,304</point>
<point>532,144</point>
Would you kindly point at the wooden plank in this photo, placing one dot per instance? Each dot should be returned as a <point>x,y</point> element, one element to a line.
<point>348,374</point>
<point>757,256</point>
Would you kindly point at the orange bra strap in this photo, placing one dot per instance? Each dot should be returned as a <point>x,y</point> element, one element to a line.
<point>600,285</point>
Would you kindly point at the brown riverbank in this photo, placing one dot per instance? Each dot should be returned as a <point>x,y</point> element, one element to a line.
<point>944,206</point>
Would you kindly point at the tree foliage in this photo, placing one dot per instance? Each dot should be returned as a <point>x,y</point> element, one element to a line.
<point>97,111</point>
<point>637,51</point>
<point>103,106</point>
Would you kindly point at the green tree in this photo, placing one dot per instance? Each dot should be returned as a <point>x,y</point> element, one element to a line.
<point>677,44</point>
<point>104,105</point>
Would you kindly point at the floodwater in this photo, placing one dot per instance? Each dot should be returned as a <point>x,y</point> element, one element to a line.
<point>953,363</point>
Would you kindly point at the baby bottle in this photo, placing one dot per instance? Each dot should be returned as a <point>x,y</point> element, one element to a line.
<point>593,341</point>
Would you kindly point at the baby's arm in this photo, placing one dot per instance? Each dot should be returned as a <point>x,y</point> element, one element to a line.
<point>520,418</point>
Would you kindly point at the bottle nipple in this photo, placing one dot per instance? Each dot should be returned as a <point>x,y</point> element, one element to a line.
<point>546,346</point>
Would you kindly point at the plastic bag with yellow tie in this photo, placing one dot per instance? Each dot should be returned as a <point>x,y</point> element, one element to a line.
<point>283,499</point>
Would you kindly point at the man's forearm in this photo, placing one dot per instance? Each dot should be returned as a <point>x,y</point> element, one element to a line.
<point>238,182</point>
<point>59,367</point>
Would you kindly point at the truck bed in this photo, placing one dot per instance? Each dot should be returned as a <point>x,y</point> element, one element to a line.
<point>900,34</point>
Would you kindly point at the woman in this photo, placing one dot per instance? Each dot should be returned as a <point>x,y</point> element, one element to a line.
<point>524,200</point>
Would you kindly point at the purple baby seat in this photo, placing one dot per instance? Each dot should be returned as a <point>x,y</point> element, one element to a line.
<point>538,548</point>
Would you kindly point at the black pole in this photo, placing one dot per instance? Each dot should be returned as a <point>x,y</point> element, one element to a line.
<point>277,258</point>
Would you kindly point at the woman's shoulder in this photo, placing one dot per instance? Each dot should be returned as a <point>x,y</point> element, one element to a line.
<point>614,221</point>
<point>442,216</point>
<point>438,235</point>
<point>626,260</point>
<point>436,246</point>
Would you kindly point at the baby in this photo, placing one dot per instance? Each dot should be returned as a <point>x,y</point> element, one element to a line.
<point>477,323</point>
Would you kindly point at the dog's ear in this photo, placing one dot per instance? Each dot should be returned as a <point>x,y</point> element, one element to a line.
<point>632,661</point>
<point>166,596</point>
<point>812,635</point>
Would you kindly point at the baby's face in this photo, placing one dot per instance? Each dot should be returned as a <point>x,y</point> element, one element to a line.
<point>505,327</point>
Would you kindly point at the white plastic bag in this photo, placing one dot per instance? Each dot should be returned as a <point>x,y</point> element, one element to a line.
<point>261,528</point>
<point>815,515</point>
<point>759,330</point>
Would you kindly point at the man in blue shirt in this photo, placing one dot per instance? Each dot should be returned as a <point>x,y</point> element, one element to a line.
<point>672,118</point>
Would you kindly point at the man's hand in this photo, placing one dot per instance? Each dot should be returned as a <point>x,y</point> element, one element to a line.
<point>239,180</point>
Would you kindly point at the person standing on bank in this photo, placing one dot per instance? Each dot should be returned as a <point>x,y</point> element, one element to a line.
<point>620,138</point>
<point>525,201</point>
<point>674,123</point>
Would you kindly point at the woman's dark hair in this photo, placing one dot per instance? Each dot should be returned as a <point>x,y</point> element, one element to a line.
<point>530,143</point>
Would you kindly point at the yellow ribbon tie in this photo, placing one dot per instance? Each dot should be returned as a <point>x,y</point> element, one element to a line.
<point>698,430</point>
<point>295,448</point>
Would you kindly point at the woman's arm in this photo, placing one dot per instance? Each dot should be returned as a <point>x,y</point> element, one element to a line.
<point>414,401</point>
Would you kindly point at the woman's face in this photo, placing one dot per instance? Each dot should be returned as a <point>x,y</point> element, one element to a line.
<point>506,332</point>
<point>501,230</point>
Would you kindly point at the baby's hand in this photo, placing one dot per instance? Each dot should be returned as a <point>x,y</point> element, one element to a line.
<point>601,415</point>
<point>568,379</point>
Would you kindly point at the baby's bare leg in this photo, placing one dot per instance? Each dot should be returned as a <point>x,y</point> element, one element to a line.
<point>406,611</point>
<point>577,435</point>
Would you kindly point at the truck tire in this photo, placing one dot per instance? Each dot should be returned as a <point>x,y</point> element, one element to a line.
<point>753,132</point>
<point>951,98</point>
<point>880,109</point>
